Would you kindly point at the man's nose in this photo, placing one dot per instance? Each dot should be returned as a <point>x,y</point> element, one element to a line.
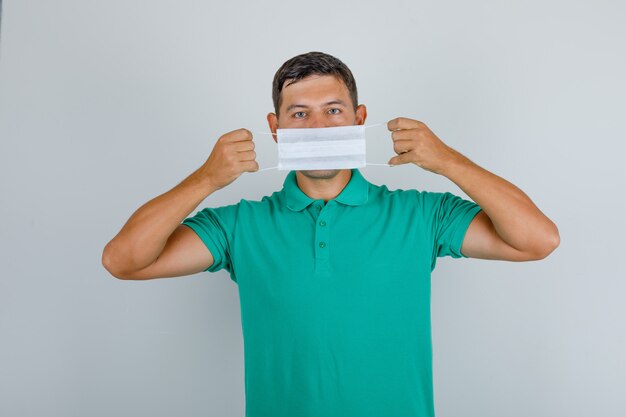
<point>317,121</point>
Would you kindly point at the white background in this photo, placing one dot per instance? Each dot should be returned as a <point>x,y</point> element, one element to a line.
<point>106,104</point>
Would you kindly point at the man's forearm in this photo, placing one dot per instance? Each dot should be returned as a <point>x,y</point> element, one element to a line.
<point>516,219</point>
<point>143,237</point>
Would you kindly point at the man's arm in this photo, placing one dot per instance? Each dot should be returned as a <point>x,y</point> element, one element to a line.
<point>509,227</point>
<point>153,243</point>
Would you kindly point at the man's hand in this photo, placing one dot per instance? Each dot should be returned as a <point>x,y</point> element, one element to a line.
<point>232,155</point>
<point>510,226</point>
<point>414,142</point>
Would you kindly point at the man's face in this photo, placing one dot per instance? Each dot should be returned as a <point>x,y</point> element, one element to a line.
<point>317,101</point>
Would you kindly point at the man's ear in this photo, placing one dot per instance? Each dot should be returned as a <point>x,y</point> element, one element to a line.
<point>272,121</point>
<point>361,114</point>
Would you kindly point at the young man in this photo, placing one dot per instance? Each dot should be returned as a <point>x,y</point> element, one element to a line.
<point>333,271</point>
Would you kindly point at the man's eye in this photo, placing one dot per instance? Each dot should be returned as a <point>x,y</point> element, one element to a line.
<point>332,111</point>
<point>299,114</point>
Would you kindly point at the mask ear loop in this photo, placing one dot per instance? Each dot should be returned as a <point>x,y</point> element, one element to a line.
<point>364,127</point>
<point>372,164</point>
<point>265,133</point>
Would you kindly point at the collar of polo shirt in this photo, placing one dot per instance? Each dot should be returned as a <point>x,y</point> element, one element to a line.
<point>355,192</point>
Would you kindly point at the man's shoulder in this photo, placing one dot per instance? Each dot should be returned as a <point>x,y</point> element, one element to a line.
<point>384,192</point>
<point>389,191</point>
<point>408,197</point>
<point>266,203</point>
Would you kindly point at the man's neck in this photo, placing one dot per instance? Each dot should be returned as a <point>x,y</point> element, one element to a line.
<point>325,189</point>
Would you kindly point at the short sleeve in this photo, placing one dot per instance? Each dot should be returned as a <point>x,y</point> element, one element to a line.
<point>450,216</point>
<point>215,227</point>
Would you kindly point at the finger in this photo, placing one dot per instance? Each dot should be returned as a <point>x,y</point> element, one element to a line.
<point>403,134</point>
<point>237,135</point>
<point>402,146</point>
<point>403,123</point>
<point>246,156</point>
<point>250,166</point>
<point>400,159</point>
<point>243,146</point>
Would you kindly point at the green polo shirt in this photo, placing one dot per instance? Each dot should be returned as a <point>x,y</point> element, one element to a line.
<point>335,297</point>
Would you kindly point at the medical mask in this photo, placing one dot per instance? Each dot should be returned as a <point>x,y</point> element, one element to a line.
<point>338,147</point>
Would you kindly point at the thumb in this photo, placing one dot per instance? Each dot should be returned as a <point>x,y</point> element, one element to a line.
<point>400,159</point>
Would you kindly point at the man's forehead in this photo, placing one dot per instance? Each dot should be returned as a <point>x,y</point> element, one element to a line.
<point>327,89</point>
<point>313,79</point>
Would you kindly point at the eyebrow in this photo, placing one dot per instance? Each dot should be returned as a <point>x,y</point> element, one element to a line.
<point>293,106</point>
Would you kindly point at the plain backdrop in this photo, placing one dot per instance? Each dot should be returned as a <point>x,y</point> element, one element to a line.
<point>106,104</point>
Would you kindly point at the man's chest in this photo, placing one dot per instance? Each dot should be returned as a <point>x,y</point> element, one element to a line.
<point>330,254</point>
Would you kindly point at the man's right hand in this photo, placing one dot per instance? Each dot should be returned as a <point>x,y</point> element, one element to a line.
<point>153,243</point>
<point>232,155</point>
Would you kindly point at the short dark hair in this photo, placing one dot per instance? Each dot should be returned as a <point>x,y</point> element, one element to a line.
<point>301,66</point>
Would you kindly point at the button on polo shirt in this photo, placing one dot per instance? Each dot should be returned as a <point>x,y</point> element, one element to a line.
<point>335,296</point>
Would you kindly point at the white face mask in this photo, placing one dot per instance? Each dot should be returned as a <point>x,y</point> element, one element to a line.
<point>338,147</point>
<point>321,148</point>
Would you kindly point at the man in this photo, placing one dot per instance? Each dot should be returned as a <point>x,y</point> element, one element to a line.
<point>333,271</point>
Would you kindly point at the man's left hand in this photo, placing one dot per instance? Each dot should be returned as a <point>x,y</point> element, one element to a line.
<point>414,142</point>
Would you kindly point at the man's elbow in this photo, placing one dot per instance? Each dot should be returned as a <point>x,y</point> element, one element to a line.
<point>547,244</point>
<point>109,264</point>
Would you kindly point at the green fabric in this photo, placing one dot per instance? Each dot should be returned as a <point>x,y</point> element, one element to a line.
<point>335,297</point>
